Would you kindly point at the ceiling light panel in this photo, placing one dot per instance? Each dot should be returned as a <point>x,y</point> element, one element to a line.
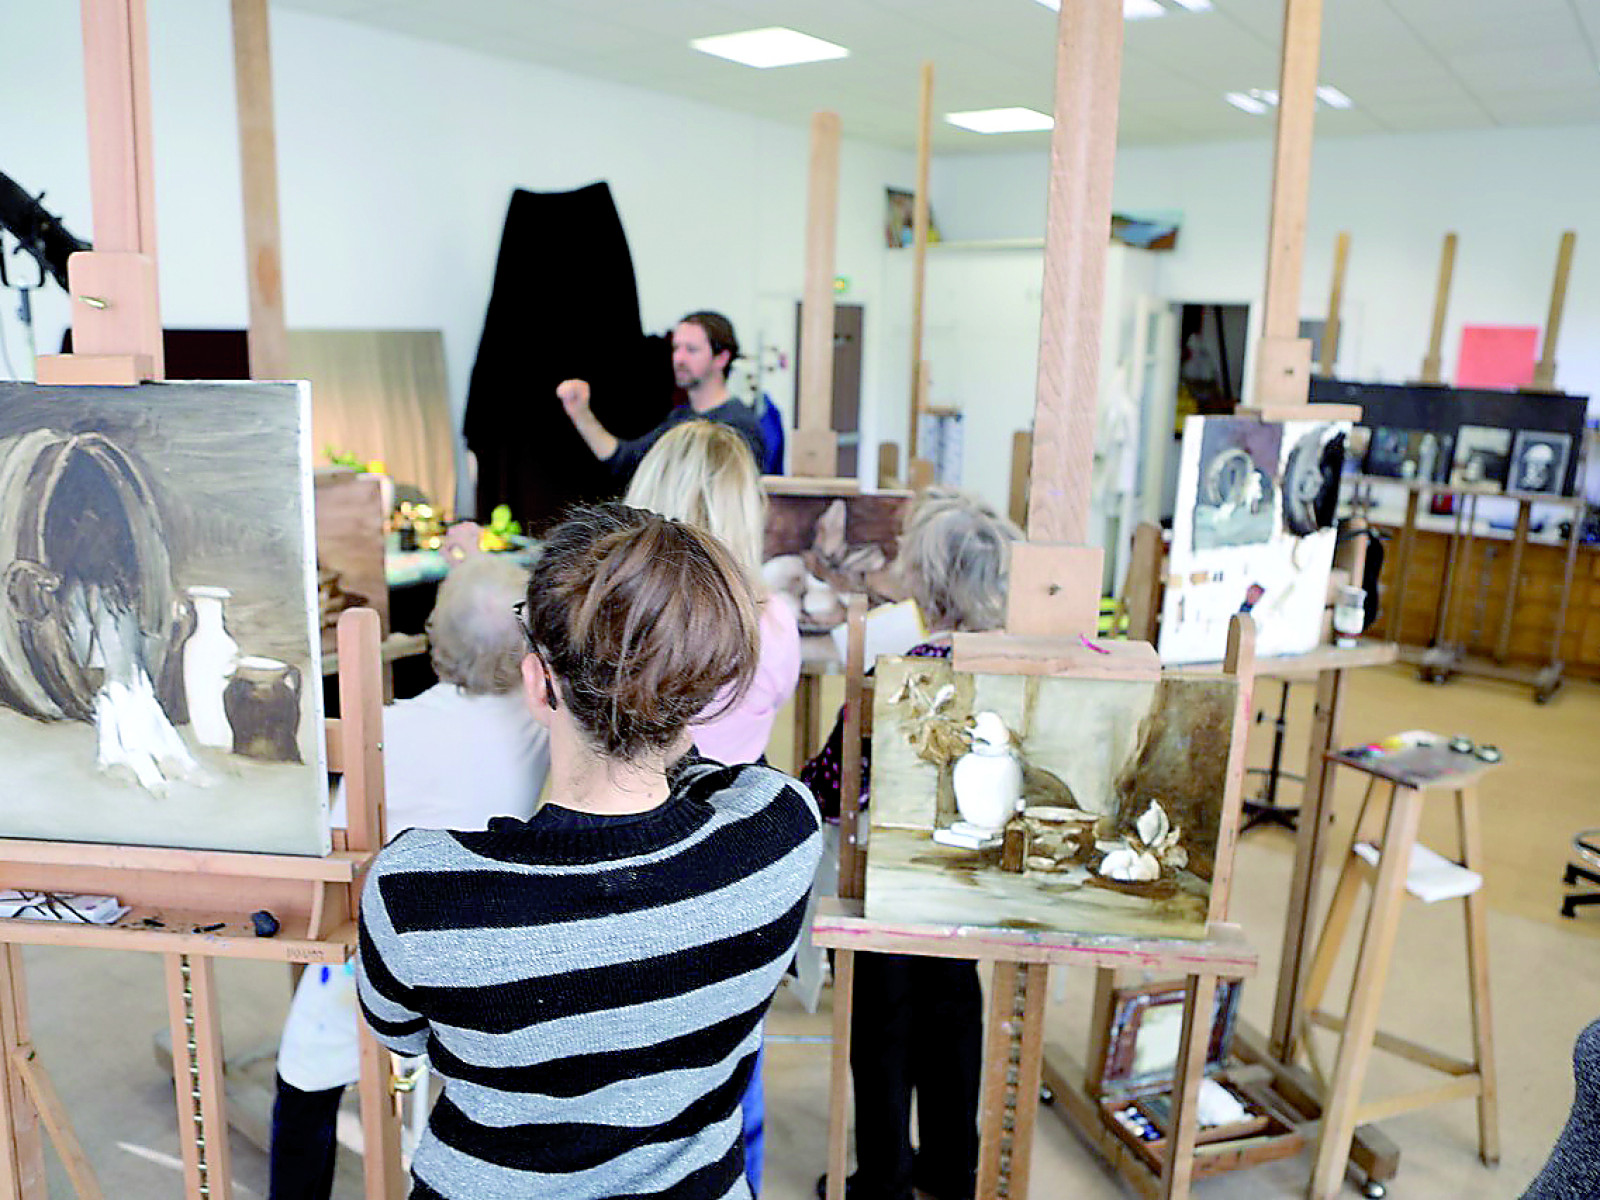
<point>1001,120</point>
<point>1333,97</point>
<point>1140,10</point>
<point>1245,101</point>
<point>771,47</point>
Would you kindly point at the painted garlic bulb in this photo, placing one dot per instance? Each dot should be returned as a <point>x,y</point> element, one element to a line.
<point>1130,866</point>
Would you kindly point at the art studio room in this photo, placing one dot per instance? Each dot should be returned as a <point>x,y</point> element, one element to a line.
<point>520,678</point>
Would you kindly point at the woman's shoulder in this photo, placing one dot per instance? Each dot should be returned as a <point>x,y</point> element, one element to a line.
<point>746,787</point>
<point>414,849</point>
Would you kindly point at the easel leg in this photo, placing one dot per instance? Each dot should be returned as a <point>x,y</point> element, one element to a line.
<point>197,1075</point>
<point>380,1123</point>
<point>1013,1056</point>
<point>1478,978</point>
<point>844,976</point>
<point>1199,999</point>
<point>22,1162</point>
<point>1366,994</point>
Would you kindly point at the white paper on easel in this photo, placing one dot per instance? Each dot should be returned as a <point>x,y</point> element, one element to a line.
<point>1430,876</point>
<point>889,629</point>
<point>69,907</point>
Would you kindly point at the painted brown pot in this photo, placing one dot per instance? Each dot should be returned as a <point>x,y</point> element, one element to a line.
<point>76,512</point>
<point>262,701</point>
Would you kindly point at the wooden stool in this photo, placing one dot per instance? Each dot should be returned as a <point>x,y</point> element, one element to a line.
<point>1397,819</point>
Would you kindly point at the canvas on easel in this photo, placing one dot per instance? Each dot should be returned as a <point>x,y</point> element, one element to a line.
<point>1119,788</point>
<point>1252,532</point>
<point>159,639</point>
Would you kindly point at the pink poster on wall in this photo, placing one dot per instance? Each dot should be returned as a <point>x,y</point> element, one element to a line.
<point>1497,356</point>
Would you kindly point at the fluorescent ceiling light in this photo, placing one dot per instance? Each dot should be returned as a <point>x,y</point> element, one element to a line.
<point>1194,5</point>
<point>1001,120</point>
<point>773,47</point>
<point>1135,10</point>
<point>1333,97</point>
<point>1245,101</point>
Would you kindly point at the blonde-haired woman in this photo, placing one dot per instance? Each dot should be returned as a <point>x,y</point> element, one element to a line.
<point>703,473</point>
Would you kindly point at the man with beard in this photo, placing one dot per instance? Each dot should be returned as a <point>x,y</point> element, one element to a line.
<point>703,349</point>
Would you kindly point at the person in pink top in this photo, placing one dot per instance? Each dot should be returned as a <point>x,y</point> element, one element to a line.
<point>703,473</point>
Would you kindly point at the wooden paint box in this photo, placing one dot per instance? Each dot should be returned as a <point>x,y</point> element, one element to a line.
<point>1134,1083</point>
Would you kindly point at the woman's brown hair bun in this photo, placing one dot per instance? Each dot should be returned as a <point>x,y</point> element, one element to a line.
<point>645,621</point>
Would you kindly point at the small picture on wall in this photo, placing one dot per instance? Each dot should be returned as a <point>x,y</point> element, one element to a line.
<point>1408,454</point>
<point>1483,457</point>
<point>1539,462</point>
<point>1238,489</point>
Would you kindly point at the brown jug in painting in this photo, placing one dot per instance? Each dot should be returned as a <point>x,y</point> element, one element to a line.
<point>262,701</point>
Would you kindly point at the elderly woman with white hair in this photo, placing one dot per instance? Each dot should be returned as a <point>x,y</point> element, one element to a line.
<point>917,1022</point>
<point>462,752</point>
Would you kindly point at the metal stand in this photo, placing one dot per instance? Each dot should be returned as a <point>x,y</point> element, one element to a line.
<point>1266,810</point>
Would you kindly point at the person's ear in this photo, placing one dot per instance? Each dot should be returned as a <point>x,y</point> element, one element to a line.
<point>722,360</point>
<point>533,689</point>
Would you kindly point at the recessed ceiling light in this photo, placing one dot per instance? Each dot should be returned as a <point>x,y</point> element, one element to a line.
<point>1132,10</point>
<point>1333,97</point>
<point>1001,120</point>
<point>1194,5</point>
<point>772,47</point>
<point>1245,101</point>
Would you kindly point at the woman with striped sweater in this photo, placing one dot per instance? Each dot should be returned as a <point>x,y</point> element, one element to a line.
<point>590,983</point>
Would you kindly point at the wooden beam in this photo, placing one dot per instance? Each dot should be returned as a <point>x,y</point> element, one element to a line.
<point>1078,229</point>
<point>1544,375</point>
<point>258,164</point>
<point>1278,379</point>
<point>1432,364</point>
<point>919,253</point>
<point>1330,329</point>
<point>816,318</point>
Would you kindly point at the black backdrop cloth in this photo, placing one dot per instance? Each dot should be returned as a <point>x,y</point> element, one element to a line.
<point>564,306</point>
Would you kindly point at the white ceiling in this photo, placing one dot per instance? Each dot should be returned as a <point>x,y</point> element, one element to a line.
<point>1408,64</point>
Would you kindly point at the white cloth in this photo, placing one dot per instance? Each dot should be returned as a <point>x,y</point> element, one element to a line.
<point>450,761</point>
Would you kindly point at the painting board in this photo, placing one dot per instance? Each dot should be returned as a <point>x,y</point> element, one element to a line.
<point>1538,462</point>
<point>350,562</point>
<point>1100,747</point>
<point>819,549</point>
<point>1482,458</point>
<point>161,618</point>
<point>1281,578</point>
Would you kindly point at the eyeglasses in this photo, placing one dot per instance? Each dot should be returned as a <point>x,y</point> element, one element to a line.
<point>521,609</point>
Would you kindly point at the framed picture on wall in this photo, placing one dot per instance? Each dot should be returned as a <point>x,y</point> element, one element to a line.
<point>1538,462</point>
<point>1483,456</point>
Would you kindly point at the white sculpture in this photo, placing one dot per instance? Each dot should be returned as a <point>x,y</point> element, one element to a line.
<point>988,778</point>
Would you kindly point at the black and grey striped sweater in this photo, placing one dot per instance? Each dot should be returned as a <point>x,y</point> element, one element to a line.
<point>592,997</point>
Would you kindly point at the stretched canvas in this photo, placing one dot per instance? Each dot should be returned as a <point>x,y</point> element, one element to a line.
<point>160,677</point>
<point>1483,457</point>
<point>1095,756</point>
<point>1252,533</point>
<point>819,549</point>
<point>1539,462</point>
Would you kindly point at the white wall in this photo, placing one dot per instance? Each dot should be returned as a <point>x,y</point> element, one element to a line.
<point>396,160</point>
<point>1509,193</point>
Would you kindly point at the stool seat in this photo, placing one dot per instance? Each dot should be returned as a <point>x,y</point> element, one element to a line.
<point>1383,851</point>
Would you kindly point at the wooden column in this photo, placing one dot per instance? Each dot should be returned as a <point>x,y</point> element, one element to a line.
<point>814,450</point>
<point>1078,229</point>
<point>1330,329</point>
<point>258,163</point>
<point>1283,357</point>
<point>116,317</point>
<point>1544,374</point>
<point>1432,365</point>
<point>919,257</point>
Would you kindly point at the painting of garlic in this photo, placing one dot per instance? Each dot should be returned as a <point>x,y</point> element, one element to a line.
<point>1104,798</point>
<point>154,542</point>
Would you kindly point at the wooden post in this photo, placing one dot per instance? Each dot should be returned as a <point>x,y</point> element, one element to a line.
<point>258,163</point>
<point>22,1169</point>
<point>1330,329</point>
<point>1078,228</point>
<point>919,254</point>
<point>1544,375</point>
<point>197,1074</point>
<point>116,315</point>
<point>888,465</point>
<point>814,449</point>
<point>1432,364</point>
<point>1283,357</point>
<point>1021,469</point>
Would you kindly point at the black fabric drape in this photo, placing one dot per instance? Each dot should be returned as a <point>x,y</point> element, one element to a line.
<point>564,306</point>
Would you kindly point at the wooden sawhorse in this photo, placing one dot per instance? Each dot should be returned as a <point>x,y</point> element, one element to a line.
<point>1398,817</point>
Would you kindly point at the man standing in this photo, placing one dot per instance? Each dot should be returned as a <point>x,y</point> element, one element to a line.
<point>703,349</point>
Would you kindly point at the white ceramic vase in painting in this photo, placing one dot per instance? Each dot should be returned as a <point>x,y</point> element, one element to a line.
<point>988,778</point>
<point>209,658</point>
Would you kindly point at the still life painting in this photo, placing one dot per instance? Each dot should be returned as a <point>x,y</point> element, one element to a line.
<point>160,680</point>
<point>1253,531</point>
<point>1047,803</point>
<point>821,549</point>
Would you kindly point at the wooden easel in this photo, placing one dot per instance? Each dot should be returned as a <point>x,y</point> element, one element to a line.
<point>193,907</point>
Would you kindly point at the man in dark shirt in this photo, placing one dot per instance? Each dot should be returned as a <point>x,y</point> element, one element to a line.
<point>703,349</point>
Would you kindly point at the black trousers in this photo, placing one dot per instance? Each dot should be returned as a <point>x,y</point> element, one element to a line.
<point>300,1165</point>
<point>916,1027</point>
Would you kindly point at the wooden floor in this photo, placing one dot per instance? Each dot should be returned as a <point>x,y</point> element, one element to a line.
<point>94,1013</point>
